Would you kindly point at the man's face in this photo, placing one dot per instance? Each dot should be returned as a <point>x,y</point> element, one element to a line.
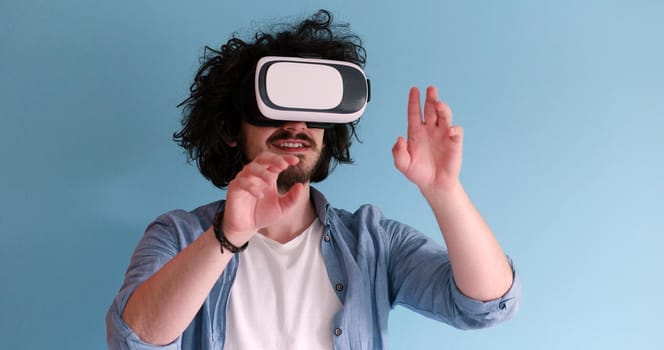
<point>291,138</point>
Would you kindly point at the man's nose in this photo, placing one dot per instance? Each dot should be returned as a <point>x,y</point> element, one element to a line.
<point>294,126</point>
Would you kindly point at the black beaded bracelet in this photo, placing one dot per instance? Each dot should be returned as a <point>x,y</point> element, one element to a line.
<point>216,225</point>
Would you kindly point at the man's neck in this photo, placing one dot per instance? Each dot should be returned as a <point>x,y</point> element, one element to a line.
<point>295,220</point>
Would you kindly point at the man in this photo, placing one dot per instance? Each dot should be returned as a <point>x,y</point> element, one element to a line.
<point>275,266</point>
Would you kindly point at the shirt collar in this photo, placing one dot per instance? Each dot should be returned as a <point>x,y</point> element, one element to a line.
<point>321,205</point>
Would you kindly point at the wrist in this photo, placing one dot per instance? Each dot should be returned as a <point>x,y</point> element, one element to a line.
<point>224,241</point>
<point>448,189</point>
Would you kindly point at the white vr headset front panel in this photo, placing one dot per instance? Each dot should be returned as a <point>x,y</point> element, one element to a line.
<point>289,84</point>
<point>310,90</point>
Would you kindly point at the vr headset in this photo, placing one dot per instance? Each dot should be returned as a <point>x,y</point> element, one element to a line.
<point>320,92</point>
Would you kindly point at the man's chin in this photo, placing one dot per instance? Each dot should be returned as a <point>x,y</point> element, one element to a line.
<point>290,177</point>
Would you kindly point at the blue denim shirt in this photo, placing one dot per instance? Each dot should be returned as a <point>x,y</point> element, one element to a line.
<point>373,263</point>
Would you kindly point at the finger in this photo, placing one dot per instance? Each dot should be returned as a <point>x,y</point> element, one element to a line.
<point>414,111</point>
<point>444,114</point>
<point>456,134</point>
<point>291,160</point>
<point>401,155</point>
<point>269,159</point>
<point>264,172</point>
<point>430,106</point>
<point>275,163</point>
<point>248,185</point>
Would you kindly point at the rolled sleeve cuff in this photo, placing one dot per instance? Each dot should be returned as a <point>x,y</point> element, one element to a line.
<point>120,336</point>
<point>479,314</point>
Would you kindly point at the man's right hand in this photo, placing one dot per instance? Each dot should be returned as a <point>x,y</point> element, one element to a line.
<point>253,200</point>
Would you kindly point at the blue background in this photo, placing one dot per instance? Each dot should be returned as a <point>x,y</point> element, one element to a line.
<point>562,104</point>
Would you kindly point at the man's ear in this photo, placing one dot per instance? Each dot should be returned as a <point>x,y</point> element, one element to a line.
<point>230,140</point>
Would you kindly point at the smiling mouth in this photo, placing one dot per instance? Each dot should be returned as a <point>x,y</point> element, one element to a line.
<point>290,145</point>
<point>291,142</point>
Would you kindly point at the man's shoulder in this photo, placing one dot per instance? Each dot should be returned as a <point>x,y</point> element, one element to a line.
<point>366,219</point>
<point>200,216</point>
<point>363,212</point>
<point>369,218</point>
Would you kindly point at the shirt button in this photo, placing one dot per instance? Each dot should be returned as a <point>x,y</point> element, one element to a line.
<point>326,238</point>
<point>337,332</point>
<point>502,305</point>
<point>339,287</point>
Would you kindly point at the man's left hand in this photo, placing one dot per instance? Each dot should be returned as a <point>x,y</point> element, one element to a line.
<point>431,156</point>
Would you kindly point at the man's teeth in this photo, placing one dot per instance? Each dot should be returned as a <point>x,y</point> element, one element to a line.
<point>290,145</point>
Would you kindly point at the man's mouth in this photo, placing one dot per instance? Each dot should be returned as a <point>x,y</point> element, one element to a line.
<point>289,145</point>
<point>289,142</point>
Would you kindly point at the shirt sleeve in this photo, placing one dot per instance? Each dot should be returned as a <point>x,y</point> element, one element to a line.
<point>421,279</point>
<point>163,239</point>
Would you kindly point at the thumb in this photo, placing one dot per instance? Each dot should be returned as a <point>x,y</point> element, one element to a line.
<point>456,134</point>
<point>289,198</point>
<point>401,155</point>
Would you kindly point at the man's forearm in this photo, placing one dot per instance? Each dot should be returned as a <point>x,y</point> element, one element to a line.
<point>480,267</point>
<point>163,306</point>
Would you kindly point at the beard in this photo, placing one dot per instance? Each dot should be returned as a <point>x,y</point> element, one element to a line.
<point>296,174</point>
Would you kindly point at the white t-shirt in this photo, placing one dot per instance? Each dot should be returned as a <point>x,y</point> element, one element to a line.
<point>282,297</point>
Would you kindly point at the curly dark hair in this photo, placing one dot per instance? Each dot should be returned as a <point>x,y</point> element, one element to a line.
<point>222,93</point>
